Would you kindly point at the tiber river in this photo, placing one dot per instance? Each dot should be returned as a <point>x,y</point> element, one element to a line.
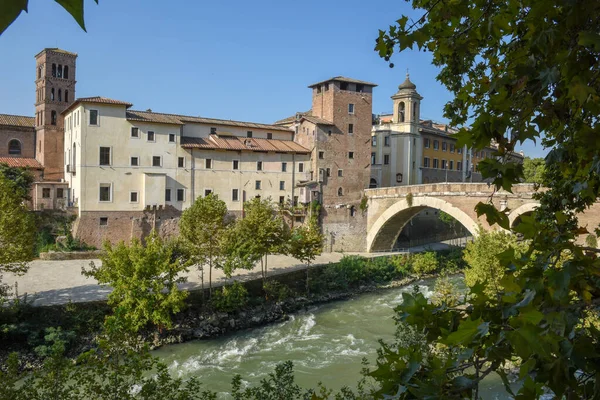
<point>326,343</point>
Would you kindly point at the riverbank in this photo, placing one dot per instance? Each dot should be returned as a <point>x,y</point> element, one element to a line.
<point>81,323</point>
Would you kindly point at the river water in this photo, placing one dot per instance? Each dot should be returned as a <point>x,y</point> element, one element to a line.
<point>325,343</point>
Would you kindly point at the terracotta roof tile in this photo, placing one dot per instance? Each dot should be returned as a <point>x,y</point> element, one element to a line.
<point>17,120</point>
<point>97,100</point>
<point>306,115</point>
<point>228,122</point>
<point>236,143</point>
<point>344,79</point>
<point>18,162</point>
<point>146,116</point>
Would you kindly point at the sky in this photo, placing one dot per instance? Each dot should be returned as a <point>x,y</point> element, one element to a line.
<point>240,60</point>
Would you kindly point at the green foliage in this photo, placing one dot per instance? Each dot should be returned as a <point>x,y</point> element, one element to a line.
<point>144,282</point>
<point>305,244</point>
<point>591,240</point>
<point>481,256</point>
<point>231,298</point>
<point>10,10</point>
<point>409,199</point>
<point>445,292</point>
<point>533,170</point>
<point>276,291</point>
<point>364,203</point>
<point>22,178</point>
<point>55,341</point>
<point>424,263</point>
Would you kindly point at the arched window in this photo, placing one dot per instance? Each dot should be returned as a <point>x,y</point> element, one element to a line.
<point>373,183</point>
<point>352,211</point>
<point>53,118</point>
<point>40,72</point>
<point>74,157</point>
<point>66,96</point>
<point>415,111</point>
<point>59,95</point>
<point>66,72</point>
<point>340,192</point>
<point>401,108</point>
<point>59,71</point>
<point>53,69</point>
<point>52,94</point>
<point>14,147</point>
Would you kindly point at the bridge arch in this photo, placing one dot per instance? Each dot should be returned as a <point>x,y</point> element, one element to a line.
<point>384,232</point>
<point>517,212</point>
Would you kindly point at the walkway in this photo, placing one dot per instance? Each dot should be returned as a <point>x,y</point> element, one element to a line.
<point>58,282</point>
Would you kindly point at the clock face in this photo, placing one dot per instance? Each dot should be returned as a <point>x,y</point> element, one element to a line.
<point>398,177</point>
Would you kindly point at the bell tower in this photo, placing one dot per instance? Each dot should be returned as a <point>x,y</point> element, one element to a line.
<point>55,90</point>
<point>407,106</point>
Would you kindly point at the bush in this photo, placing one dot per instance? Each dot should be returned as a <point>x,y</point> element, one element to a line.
<point>424,263</point>
<point>381,269</point>
<point>276,291</point>
<point>352,269</point>
<point>231,298</point>
<point>402,265</point>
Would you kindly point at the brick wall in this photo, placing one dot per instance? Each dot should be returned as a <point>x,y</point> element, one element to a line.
<point>25,135</point>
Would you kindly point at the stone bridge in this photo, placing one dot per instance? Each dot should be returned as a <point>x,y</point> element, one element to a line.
<point>391,208</point>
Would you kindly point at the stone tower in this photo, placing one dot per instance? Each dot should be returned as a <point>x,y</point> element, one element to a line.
<point>55,90</point>
<point>407,105</point>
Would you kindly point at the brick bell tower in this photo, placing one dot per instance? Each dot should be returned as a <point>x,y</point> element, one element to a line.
<point>55,90</point>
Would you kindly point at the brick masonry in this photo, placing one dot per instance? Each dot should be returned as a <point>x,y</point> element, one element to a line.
<point>24,135</point>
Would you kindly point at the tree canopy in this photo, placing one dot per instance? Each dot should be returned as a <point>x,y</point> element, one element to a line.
<point>533,170</point>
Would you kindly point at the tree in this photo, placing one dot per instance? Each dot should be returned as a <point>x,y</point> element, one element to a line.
<point>305,244</point>
<point>21,177</point>
<point>533,170</point>
<point>10,11</point>
<point>518,70</point>
<point>144,282</point>
<point>17,231</point>
<point>202,228</point>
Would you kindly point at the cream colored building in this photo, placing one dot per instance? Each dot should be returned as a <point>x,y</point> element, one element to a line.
<point>119,160</point>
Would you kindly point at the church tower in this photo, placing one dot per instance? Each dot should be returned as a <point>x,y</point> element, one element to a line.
<point>407,106</point>
<point>55,90</point>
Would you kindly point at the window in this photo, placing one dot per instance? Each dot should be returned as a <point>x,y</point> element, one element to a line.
<point>352,211</point>
<point>249,134</point>
<point>351,155</point>
<point>373,158</point>
<point>181,162</point>
<point>328,172</point>
<point>180,194</point>
<point>444,164</point>
<point>40,72</point>
<point>436,163</point>
<point>105,192</point>
<point>14,147</point>
<point>259,165</point>
<point>343,85</point>
<point>459,165</point>
<point>60,193</point>
<point>300,167</point>
<point>46,193</point>
<point>66,96</point>
<point>59,95</point>
<point>134,161</point>
<point>269,135</point>
<point>257,185</point>
<point>135,132</point>
<point>321,155</point>
<point>350,108</point>
<point>451,147</point>
<point>386,159</point>
<point>281,185</point>
<point>326,87</point>
<point>103,221</point>
<point>156,161</point>
<point>53,118</point>
<point>426,143</point>
<point>459,150</point>
<point>208,163</point>
<point>167,194</point>
<point>235,195</point>
<point>66,72</point>
<point>150,136</point>
<point>340,173</point>
<point>444,146</point>
<point>54,70</point>
<point>213,131</point>
<point>236,164</point>
<point>426,162</point>
<point>171,138</point>
<point>401,108</point>
<point>451,167</point>
<point>350,129</point>
<point>340,192</point>
<point>386,141</point>
<point>59,73</point>
<point>207,192</point>
<point>104,156</point>
<point>93,117</point>
<point>283,167</point>
<point>133,197</point>
<point>281,200</point>
<point>436,145</point>
<point>374,141</point>
<point>360,88</point>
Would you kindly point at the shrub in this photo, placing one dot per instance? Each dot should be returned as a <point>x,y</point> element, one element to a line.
<point>381,269</point>
<point>424,263</point>
<point>591,240</point>
<point>276,291</point>
<point>230,298</point>
<point>401,264</point>
<point>352,269</point>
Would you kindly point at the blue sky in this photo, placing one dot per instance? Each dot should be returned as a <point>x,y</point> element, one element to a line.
<point>232,59</point>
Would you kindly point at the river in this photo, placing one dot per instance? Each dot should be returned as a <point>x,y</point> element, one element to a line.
<point>326,343</point>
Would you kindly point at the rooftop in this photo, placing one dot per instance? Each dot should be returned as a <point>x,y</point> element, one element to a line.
<point>344,79</point>
<point>56,50</point>
<point>236,143</point>
<point>304,115</point>
<point>97,100</point>
<point>17,162</point>
<point>17,120</point>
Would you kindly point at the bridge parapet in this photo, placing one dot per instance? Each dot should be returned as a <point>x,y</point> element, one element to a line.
<point>522,190</point>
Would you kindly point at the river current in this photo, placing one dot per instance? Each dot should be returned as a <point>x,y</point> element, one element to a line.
<point>326,344</point>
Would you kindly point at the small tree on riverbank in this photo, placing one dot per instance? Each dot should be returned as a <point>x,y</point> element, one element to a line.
<point>144,281</point>
<point>202,227</point>
<point>305,244</point>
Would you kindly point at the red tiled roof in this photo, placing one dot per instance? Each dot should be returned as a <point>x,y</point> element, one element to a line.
<point>215,142</point>
<point>17,120</point>
<point>304,115</point>
<point>18,162</point>
<point>97,100</point>
<point>344,79</point>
